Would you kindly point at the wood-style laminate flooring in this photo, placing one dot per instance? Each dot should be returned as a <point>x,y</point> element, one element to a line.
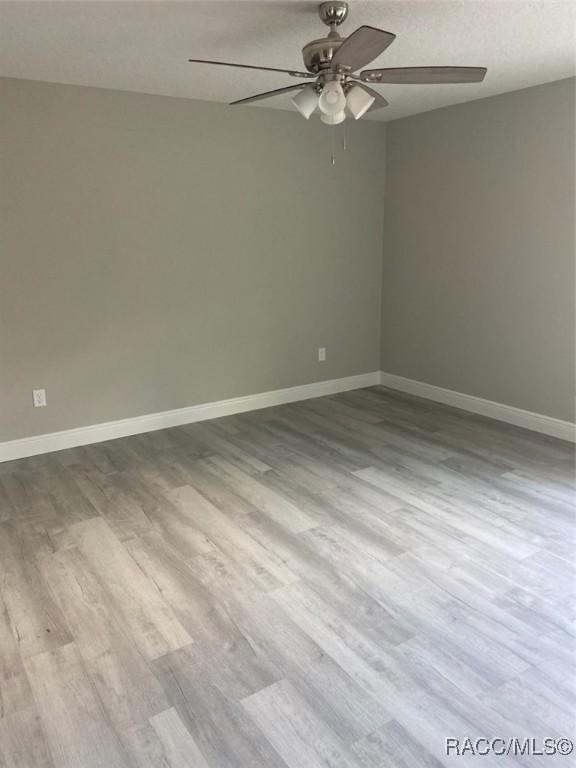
<point>342,582</point>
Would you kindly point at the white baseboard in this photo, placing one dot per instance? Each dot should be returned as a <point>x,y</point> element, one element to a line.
<point>97,433</point>
<point>537,422</point>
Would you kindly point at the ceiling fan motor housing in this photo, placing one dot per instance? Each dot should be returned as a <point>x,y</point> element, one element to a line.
<point>318,54</point>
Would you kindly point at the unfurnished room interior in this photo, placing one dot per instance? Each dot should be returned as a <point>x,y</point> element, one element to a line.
<point>287,379</point>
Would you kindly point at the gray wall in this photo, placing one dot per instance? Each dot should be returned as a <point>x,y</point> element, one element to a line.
<point>157,253</point>
<point>478,278</point>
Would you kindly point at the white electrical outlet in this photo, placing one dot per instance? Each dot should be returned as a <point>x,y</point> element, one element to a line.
<point>321,354</point>
<point>39,398</point>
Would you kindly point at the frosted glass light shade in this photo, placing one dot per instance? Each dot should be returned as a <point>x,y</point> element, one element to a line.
<point>358,102</point>
<point>306,101</point>
<point>336,119</point>
<point>332,100</point>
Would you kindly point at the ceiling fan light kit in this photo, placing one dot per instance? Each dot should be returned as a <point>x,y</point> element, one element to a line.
<point>332,100</point>
<point>358,101</point>
<point>333,119</point>
<point>306,101</point>
<point>332,82</point>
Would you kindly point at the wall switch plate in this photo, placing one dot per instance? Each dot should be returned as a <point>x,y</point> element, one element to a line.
<point>321,354</point>
<point>39,398</point>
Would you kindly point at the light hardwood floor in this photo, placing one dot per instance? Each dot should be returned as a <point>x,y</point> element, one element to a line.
<point>343,582</point>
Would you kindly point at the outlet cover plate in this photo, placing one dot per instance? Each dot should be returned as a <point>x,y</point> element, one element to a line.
<point>39,398</point>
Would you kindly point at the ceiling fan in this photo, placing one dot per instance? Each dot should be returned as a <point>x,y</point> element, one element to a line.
<point>332,62</point>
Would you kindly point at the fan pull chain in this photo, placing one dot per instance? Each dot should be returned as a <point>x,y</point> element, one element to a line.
<point>333,151</point>
<point>344,137</point>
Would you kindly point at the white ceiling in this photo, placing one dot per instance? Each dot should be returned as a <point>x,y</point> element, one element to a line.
<point>144,46</point>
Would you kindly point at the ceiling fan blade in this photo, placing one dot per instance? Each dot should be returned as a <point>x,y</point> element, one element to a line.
<point>379,101</point>
<point>293,72</point>
<point>424,75</point>
<point>267,94</point>
<point>362,47</point>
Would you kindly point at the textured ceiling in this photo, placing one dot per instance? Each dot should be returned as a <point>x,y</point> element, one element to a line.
<point>144,46</point>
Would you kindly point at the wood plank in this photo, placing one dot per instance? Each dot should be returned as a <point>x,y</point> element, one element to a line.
<point>35,620</point>
<point>15,692</point>
<point>295,730</point>
<point>23,741</point>
<point>121,675</point>
<point>78,731</point>
<point>263,565</point>
<point>179,747</point>
<point>151,622</point>
<point>218,724</point>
